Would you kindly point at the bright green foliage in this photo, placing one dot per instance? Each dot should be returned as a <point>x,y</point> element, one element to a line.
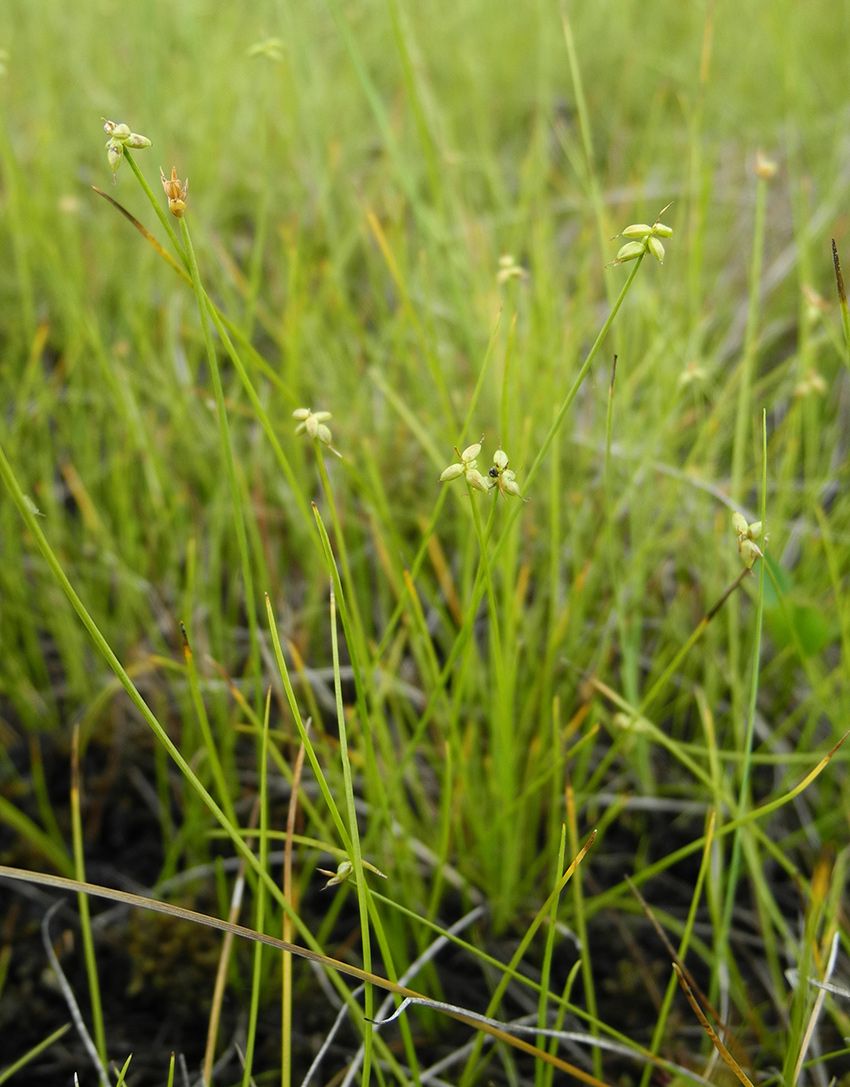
<point>403,213</point>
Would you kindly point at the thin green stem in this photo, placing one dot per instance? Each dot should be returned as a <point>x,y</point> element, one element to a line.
<point>479,588</point>
<point>354,839</point>
<point>259,924</point>
<point>83,903</point>
<point>743,432</point>
<point>227,453</point>
<point>157,207</point>
<point>541,1072</point>
<point>593,188</point>
<point>744,789</point>
<point>483,540</point>
<point>743,416</point>
<point>232,831</point>
<point>341,547</point>
<point>210,748</point>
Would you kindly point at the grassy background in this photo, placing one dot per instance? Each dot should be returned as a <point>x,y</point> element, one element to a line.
<point>356,171</point>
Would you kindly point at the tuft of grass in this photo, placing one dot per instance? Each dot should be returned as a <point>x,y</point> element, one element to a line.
<point>399,228</point>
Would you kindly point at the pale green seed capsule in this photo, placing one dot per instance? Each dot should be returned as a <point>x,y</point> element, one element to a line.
<point>630,251</point>
<point>749,553</point>
<point>120,132</point>
<point>452,472</point>
<point>662,230</point>
<point>636,230</point>
<point>114,152</point>
<point>475,479</point>
<point>656,248</point>
<point>134,140</point>
<point>500,459</point>
<point>754,530</point>
<point>470,453</point>
<point>510,485</point>
<point>342,874</point>
<point>739,523</point>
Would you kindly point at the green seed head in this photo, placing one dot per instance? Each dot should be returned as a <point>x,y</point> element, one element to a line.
<point>136,141</point>
<point>630,251</point>
<point>452,472</point>
<point>114,152</point>
<point>749,553</point>
<point>119,131</point>
<point>475,479</point>
<point>656,248</point>
<point>636,230</point>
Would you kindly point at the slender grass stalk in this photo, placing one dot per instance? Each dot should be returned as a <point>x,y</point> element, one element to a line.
<point>718,1044</point>
<point>834,567</point>
<point>224,957</point>
<point>508,385</point>
<point>334,966</point>
<point>227,456</point>
<point>222,328</point>
<point>744,428</point>
<point>744,798</point>
<point>354,838</point>
<point>685,649</point>
<point>210,747</point>
<point>412,78</point>
<point>580,923</point>
<point>366,906</point>
<point>684,942</point>
<point>14,184</point>
<point>541,1073</point>
<point>160,213</point>
<point>498,659</point>
<point>617,583</point>
<point>260,908</point>
<point>504,748</point>
<point>29,830</point>
<point>356,236</point>
<point>286,958</point>
<point>232,831</point>
<point>576,385</point>
<point>438,461</point>
<point>341,550</point>
<point>354,646</point>
<point>592,182</point>
<point>31,1054</point>
<point>123,1073</point>
<point>465,631</point>
<point>292,701</point>
<point>697,174</point>
<point>519,954</point>
<point>607,898</point>
<point>338,821</point>
<point>39,784</point>
<point>433,362</point>
<point>89,957</point>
